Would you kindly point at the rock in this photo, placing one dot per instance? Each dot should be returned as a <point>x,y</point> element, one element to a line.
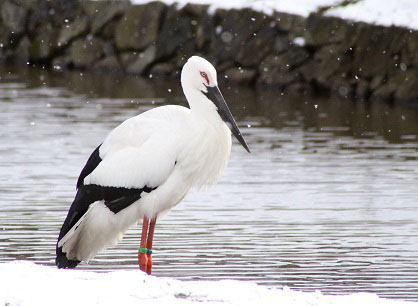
<point>280,70</point>
<point>321,30</point>
<point>293,24</point>
<point>6,56</point>
<point>222,67</point>
<point>384,92</point>
<point>407,86</point>
<point>293,57</point>
<point>109,48</point>
<point>196,10</point>
<point>412,49</point>
<point>298,88</point>
<point>93,8</point>
<point>143,61</point>
<point>128,57</point>
<point>329,63</point>
<point>341,85</point>
<point>241,75</point>
<point>85,52</point>
<point>61,10</point>
<point>257,47</point>
<point>299,27</point>
<point>72,30</point>
<point>204,32</point>
<point>281,43</point>
<point>44,44</point>
<point>109,29</point>
<point>107,14</point>
<point>376,81</point>
<point>201,26</point>
<point>401,86</point>
<point>177,29</point>
<point>284,21</point>
<point>139,27</point>
<point>38,17</point>
<point>372,53</point>
<point>378,51</point>
<point>362,89</point>
<point>162,69</point>
<point>4,37</point>
<point>109,63</point>
<point>61,62</point>
<point>14,17</point>
<point>234,30</point>
<point>309,70</point>
<point>183,54</point>
<point>22,50</point>
<point>54,12</point>
<point>27,4</point>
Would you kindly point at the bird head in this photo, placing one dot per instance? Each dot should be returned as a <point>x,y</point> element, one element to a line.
<point>199,81</point>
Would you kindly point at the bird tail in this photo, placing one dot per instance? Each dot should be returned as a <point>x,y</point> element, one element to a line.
<point>96,230</point>
<point>63,262</point>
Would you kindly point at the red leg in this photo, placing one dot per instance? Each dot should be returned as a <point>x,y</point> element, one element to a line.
<point>142,256</point>
<point>149,244</point>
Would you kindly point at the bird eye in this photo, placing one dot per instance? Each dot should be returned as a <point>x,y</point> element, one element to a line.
<point>203,74</point>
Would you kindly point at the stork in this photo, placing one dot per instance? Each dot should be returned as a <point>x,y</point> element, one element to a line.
<point>146,166</point>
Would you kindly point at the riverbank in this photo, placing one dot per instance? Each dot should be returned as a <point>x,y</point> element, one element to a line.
<point>293,53</point>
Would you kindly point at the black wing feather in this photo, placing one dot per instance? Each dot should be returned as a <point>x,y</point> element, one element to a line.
<point>93,161</point>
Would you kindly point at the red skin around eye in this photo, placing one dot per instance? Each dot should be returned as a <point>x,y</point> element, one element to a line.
<point>205,77</point>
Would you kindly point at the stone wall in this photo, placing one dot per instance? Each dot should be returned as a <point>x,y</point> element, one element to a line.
<point>283,51</point>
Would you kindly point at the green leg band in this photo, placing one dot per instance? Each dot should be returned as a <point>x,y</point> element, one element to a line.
<point>143,250</point>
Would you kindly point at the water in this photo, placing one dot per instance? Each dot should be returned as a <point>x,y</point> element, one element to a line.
<point>327,200</point>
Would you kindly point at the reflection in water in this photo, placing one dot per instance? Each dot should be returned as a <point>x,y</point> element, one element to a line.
<point>327,200</point>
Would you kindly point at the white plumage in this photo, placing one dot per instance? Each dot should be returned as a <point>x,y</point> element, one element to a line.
<point>169,148</point>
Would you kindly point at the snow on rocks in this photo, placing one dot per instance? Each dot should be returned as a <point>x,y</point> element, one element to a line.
<point>402,13</point>
<point>394,12</point>
<point>299,7</point>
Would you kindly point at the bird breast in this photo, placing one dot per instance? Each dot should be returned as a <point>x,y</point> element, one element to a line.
<point>205,152</point>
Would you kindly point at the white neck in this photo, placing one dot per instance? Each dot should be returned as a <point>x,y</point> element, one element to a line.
<point>200,105</point>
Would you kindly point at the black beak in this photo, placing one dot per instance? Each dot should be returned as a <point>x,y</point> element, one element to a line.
<point>216,97</point>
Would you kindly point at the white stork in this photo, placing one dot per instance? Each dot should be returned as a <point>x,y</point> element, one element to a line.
<point>146,166</point>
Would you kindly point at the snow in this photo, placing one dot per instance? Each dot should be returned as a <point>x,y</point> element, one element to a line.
<point>25,283</point>
<point>299,7</point>
<point>388,12</point>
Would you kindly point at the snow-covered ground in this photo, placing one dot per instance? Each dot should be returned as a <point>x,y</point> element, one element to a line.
<point>24,283</point>
<point>387,12</point>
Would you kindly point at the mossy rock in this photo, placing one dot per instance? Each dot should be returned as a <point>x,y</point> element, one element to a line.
<point>73,30</point>
<point>177,29</point>
<point>86,52</point>
<point>138,28</point>
<point>13,17</point>
<point>105,15</point>
<point>235,28</point>
<point>44,44</point>
<point>257,47</point>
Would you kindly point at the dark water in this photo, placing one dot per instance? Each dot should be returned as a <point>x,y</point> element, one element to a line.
<point>327,200</point>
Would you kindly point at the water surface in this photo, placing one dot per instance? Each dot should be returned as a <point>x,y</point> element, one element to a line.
<point>328,198</point>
